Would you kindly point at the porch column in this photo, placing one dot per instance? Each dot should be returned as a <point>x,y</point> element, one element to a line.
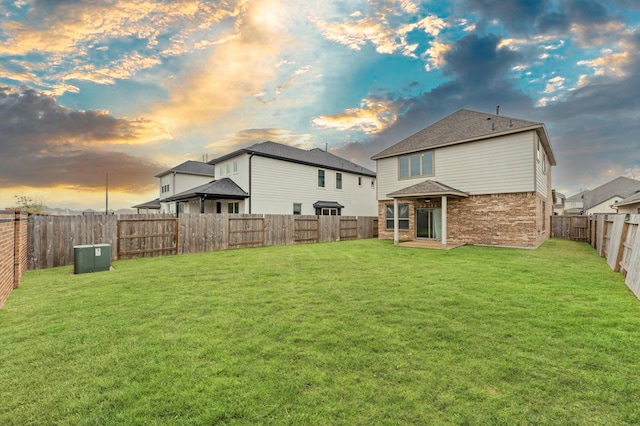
<point>396,238</point>
<point>444,220</point>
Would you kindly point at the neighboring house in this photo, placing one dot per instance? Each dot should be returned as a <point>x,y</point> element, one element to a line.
<point>574,205</point>
<point>558,203</point>
<point>149,207</point>
<point>630,205</point>
<point>181,178</point>
<point>470,178</point>
<point>604,198</point>
<point>272,178</point>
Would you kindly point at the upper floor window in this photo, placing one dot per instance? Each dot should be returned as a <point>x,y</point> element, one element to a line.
<point>228,167</point>
<point>418,164</point>
<point>338,180</point>
<point>320,178</point>
<point>359,180</point>
<point>235,165</point>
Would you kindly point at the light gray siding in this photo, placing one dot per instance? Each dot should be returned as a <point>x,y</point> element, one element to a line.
<point>276,185</point>
<point>491,166</point>
<point>543,168</point>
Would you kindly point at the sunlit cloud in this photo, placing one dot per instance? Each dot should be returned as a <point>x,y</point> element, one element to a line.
<point>373,116</point>
<point>377,30</point>
<point>244,138</point>
<point>66,34</point>
<point>609,64</point>
<point>554,84</point>
<point>435,55</point>
<point>234,72</point>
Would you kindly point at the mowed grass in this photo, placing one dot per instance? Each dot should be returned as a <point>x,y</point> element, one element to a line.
<point>357,332</point>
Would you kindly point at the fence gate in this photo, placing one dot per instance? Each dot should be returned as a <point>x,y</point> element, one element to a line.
<point>147,237</point>
<point>246,231</point>
<point>306,230</point>
<point>575,228</point>
<point>348,229</point>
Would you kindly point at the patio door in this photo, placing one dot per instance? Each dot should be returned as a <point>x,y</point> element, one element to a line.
<point>429,223</point>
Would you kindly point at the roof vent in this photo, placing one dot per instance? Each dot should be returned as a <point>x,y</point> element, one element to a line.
<point>497,109</point>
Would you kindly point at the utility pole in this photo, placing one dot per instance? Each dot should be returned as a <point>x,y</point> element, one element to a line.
<point>106,194</point>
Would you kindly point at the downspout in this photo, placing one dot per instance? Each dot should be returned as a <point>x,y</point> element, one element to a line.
<point>250,157</point>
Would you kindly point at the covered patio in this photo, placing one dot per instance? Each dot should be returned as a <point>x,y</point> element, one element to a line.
<point>429,227</point>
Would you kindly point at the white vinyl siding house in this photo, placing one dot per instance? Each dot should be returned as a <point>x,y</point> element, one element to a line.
<point>499,165</point>
<point>270,177</point>
<point>181,178</point>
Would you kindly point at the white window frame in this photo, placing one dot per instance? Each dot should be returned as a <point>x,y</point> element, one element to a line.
<point>324,178</point>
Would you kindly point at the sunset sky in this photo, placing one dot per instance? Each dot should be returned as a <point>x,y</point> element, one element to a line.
<point>134,87</point>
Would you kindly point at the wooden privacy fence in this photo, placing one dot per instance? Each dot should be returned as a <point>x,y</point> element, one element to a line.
<point>148,236</point>
<point>617,239</point>
<point>575,228</point>
<point>52,238</point>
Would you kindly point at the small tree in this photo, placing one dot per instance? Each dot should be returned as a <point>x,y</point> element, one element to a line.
<point>29,204</point>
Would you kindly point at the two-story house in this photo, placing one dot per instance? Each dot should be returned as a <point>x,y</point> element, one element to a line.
<point>604,198</point>
<point>272,178</point>
<point>181,178</point>
<point>470,178</point>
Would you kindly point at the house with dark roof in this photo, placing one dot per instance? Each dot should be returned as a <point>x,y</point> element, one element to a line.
<point>630,205</point>
<point>606,198</point>
<point>182,178</point>
<point>470,178</point>
<point>272,178</point>
<point>603,198</point>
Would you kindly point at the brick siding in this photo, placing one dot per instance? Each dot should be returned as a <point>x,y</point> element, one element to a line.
<point>13,251</point>
<point>511,220</point>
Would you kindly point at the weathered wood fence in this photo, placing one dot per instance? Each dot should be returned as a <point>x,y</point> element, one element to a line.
<point>52,238</point>
<point>616,237</point>
<point>575,228</point>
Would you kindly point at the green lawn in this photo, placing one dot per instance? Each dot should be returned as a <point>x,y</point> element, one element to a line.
<point>357,332</point>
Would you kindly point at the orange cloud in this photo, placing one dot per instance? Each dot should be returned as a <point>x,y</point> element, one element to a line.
<point>373,116</point>
<point>244,138</point>
<point>234,72</point>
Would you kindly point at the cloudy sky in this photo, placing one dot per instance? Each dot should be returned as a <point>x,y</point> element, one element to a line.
<point>133,87</point>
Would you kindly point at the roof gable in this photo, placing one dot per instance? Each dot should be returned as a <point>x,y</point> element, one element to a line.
<point>314,157</point>
<point>191,167</point>
<point>622,187</point>
<point>465,126</point>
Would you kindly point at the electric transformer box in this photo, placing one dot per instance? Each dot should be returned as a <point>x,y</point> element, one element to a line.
<point>91,258</point>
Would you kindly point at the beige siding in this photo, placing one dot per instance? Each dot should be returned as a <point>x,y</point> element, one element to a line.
<point>543,168</point>
<point>276,185</point>
<point>605,207</point>
<point>494,166</point>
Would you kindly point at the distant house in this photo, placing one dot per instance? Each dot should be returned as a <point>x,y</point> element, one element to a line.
<point>273,178</point>
<point>604,198</point>
<point>574,205</point>
<point>470,178</point>
<point>630,205</point>
<point>182,178</point>
<point>558,203</point>
<point>148,207</point>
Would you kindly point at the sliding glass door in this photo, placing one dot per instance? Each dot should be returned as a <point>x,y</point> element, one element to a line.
<point>429,223</point>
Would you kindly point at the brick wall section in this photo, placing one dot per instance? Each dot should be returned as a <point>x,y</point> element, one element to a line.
<point>511,220</point>
<point>13,251</point>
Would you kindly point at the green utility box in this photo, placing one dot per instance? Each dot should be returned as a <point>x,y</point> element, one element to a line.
<point>91,258</point>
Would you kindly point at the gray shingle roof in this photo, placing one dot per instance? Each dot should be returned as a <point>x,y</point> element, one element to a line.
<point>621,186</point>
<point>465,126</point>
<point>426,189</point>
<point>153,204</point>
<point>223,188</point>
<point>575,197</point>
<point>633,199</point>
<point>192,168</point>
<point>314,157</point>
